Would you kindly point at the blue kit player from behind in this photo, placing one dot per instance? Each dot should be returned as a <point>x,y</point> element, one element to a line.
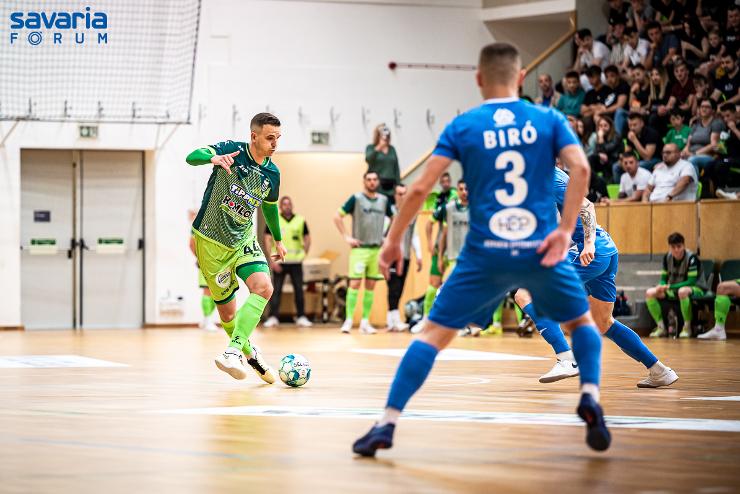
<point>507,149</point>
<point>595,258</point>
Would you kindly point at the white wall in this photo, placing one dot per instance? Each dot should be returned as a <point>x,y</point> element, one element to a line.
<point>254,54</point>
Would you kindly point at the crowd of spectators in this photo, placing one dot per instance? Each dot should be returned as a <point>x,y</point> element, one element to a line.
<point>664,75</point>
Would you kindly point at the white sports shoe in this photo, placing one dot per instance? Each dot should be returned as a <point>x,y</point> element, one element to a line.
<point>562,369</point>
<point>260,366</point>
<point>655,380</point>
<point>347,326</point>
<point>232,364</point>
<point>272,322</point>
<point>303,322</point>
<point>418,327</point>
<point>401,326</point>
<point>726,195</point>
<point>366,327</point>
<point>715,333</point>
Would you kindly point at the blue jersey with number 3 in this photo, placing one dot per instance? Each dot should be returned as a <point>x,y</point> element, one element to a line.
<point>507,148</point>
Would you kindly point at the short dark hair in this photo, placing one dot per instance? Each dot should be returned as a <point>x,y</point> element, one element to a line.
<point>633,115</point>
<point>627,154</point>
<point>676,238</point>
<point>262,119</point>
<point>653,25</point>
<point>593,71</point>
<point>728,107</point>
<point>638,66</point>
<point>370,172</point>
<point>572,74</point>
<point>700,77</point>
<point>582,33</point>
<point>445,175</point>
<point>677,112</point>
<point>461,181</point>
<point>629,31</point>
<point>499,62</point>
<point>712,103</point>
<point>611,69</point>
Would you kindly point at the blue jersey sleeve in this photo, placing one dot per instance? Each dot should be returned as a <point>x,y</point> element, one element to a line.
<point>446,146</point>
<point>563,133</point>
<point>561,184</point>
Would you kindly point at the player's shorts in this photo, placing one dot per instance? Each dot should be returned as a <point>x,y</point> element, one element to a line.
<point>222,267</point>
<point>481,280</point>
<point>363,263</point>
<point>673,294</point>
<point>202,283</point>
<point>449,268</point>
<point>600,277</point>
<point>434,270</point>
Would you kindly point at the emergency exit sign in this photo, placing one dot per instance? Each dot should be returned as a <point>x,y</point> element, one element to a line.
<point>89,131</point>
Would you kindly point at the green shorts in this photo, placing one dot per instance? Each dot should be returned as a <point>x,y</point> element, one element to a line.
<point>222,267</point>
<point>434,271</point>
<point>673,294</point>
<point>202,279</point>
<point>363,263</point>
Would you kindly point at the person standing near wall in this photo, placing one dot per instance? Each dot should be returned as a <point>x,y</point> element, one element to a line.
<point>382,159</point>
<point>397,281</point>
<point>297,241</point>
<point>368,209</point>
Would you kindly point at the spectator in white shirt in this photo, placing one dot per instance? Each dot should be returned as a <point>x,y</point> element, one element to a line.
<point>635,48</point>
<point>673,179</point>
<point>590,51</point>
<point>634,181</point>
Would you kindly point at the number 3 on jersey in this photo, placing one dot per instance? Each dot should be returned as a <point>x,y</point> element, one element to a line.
<point>513,177</point>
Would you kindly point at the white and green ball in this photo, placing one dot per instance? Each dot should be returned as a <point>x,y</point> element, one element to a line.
<point>294,370</point>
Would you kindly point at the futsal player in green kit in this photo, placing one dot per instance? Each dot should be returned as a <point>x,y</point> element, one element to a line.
<point>243,179</point>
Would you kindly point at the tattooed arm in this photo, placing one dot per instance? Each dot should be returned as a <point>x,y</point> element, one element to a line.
<point>588,219</point>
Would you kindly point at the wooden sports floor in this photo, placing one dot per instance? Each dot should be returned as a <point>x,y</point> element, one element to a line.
<point>169,421</point>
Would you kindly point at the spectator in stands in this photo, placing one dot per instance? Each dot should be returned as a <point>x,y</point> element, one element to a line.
<point>678,279</point>
<point>369,210</point>
<point>635,48</point>
<point>639,15</point>
<point>641,140</point>
<point>682,89</point>
<point>732,31</point>
<point>722,304</point>
<point>572,98</point>
<point>297,241</point>
<point>594,103</point>
<point>397,281</point>
<point>718,174</point>
<point>613,39</point>
<point>659,96</point>
<point>618,11</point>
<point>382,159</point>
<point>605,145</point>
<point>703,143</point>
<point>668,12</point>
<point>639,100</point>
<point>673,179</point>
<point>634,180</point>
<point>694,42</point>
<point>663,48</point>
<point>728,86</point>
<point>701,91</point>
<point>616,102</point>
<point>716,50</point>
<point>590,52</point>
<point>548,96</point>
<point>679,131</point>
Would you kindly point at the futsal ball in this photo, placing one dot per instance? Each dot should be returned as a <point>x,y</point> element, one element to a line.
<point>294,370</point>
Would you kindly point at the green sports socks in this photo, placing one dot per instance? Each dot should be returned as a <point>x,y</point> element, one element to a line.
<point>686,309</point>
<point>352,294</point>
<point>519,314</point>
<point>654,308</point>
<point>498,313</point>
<point>721,308</point>
<point>367,303</point>
<point>208,305</point>
<point>246,319</point>
<point>229,326</point>
<point>429,297</point>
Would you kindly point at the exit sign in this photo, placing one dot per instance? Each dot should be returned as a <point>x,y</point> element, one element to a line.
<point>89,131</point>
<point>321,138</point>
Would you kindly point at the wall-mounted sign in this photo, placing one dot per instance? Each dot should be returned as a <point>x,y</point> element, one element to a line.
<point>41,216</point>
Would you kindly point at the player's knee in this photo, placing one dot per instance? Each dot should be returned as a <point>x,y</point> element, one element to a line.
<point>355,284</point>
<point>522,298</point>
<point>650,293</point>
<point>727,288</point>
<point>584,320</point>
<point>262,287</point>
<point>436,335</point>
<point>684,292</point>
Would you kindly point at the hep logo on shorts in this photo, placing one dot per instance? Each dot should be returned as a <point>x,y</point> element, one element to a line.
<point>223,279</point>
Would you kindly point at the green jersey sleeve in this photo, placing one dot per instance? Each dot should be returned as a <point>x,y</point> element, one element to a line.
<point>270,212</point>
<point>200,156</point>
<point>348,206</point>
<point>274,194</point>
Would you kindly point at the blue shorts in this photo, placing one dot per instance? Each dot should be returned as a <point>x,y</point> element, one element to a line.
<point>599,277</point>
<point>481,280</point>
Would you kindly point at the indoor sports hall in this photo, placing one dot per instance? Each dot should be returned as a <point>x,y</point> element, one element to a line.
<point>232,232</point>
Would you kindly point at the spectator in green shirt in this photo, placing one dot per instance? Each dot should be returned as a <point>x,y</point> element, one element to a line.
<point>572,98</point>
<point>679,132</point>
<point>381,158</point>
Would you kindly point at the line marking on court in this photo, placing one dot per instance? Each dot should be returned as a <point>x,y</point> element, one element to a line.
<point>648,272</point>
<point>52,362</point>
<point>715,398</point>
<point>499,418</point>
<point>451,354</point>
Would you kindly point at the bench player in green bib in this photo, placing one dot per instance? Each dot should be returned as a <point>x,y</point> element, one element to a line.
<point>243,179</point>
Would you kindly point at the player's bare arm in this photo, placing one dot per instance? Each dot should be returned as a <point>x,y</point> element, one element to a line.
<point>588,219</point>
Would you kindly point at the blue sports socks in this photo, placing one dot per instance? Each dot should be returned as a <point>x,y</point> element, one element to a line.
<point>411,373</point>
<point>587,350</point>
<point>549,330</point>
<point>631,344</point>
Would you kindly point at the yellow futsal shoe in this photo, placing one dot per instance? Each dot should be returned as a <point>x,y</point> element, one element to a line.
<point>494,329</point>
<point>260,366</point>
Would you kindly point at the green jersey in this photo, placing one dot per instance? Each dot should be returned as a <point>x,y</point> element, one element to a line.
<point>227,212</point>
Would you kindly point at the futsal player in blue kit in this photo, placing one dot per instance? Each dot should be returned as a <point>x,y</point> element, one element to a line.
<point>507,148</point>
<point>595,258</point>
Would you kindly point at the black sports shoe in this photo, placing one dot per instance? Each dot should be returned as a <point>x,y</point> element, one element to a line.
<point>379,437</point>
<point>597,435</point>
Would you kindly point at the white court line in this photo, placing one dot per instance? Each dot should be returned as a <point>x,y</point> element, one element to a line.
<point>648,272</point>
<point>715,398</point>
<point>451,354</point>
<point>52,361</point>
<point>621,422</point>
